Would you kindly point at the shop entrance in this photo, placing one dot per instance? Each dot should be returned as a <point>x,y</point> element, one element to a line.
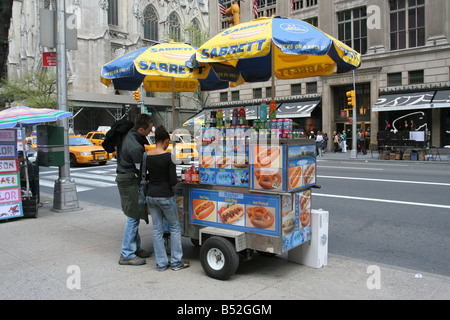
<point>348,128</point>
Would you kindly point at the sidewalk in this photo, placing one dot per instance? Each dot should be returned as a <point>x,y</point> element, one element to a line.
<point>46,257</point>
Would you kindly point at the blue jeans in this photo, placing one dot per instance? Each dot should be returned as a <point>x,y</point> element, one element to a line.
<point>160,207</point>
<point>131,240</point>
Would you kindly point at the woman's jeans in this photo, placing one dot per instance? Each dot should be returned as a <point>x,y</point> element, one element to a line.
<point>131,240</point>
<point>160,208</point>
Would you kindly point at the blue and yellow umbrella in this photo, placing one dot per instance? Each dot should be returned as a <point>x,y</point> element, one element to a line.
<point>160,68</point>
<point>277,47</point>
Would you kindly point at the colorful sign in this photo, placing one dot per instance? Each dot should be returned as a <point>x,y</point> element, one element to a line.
<point>237,211</point>
<point>11,210</point>
<point>296,220</point>
<point>9,165</point>
<point>302,166</point>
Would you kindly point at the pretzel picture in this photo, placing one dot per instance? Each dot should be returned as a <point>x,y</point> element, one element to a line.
<point>260,217</point>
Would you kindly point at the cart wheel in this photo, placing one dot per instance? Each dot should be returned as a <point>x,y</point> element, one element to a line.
<point>219,258</point>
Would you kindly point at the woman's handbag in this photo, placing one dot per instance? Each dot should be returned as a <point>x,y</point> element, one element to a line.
<point>143,187</point>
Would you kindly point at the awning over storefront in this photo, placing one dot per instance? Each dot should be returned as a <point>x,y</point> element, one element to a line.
<point>404,101</point>
<point>299,109</point>
<point>442,99</point>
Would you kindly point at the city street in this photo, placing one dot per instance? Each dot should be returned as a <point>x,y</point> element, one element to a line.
<point>389,212</point>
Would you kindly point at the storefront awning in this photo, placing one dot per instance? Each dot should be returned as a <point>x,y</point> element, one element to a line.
<point>299,109</point>
<point>442,99</point>
<point>404,101</point>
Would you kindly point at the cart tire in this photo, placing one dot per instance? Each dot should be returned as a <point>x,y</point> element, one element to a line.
<point>219,258</point>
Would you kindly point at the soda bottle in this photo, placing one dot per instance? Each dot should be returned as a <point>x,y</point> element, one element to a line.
<point>213,119</point>
<point>263,111</point>
<point>188,174</point>
<point>195,175</point>
<point>241,116</point>
<point>183,175</point>
<point>220,119</point>
<point>272,109</point>
<point>234,119</point>
<point>228,116</point>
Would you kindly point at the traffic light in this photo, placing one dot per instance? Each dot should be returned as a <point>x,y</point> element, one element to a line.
<point>351,98</point>
<point>136,95</point>
<point>233,10</point>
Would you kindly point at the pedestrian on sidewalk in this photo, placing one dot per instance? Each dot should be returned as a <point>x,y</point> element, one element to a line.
<point>361,141</point>
<point>325,143</point>
<point>336,137</point>
<point>319,141</point>
<point>344,141</point>
<point>129,157</point>
<point>162,176</point>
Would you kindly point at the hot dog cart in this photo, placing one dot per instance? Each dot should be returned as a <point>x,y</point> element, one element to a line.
<point>254,194</point>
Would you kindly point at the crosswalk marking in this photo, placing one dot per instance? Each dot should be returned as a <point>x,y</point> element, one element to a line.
<point>51,184</point>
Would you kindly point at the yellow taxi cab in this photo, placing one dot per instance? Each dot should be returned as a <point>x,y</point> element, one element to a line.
<point>32,142</point>
<point>185,151</point>
<point>83,151</point>
<point>96,137</point>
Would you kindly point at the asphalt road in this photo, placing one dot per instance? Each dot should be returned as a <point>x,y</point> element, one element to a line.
<point>394,213</point>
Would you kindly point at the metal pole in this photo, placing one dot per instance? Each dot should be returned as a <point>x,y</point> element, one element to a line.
<point>65,191</point>
<point>354,151</point>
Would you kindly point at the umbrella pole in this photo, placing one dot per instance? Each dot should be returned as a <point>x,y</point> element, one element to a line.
<point>173,104</point>
<point>25,161</point>
<point>273,71</point>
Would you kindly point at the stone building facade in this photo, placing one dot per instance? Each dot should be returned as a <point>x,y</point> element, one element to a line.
<point>106,29</point>
<point>405,70</point>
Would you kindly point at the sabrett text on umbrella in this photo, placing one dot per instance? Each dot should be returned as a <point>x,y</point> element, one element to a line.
<point>251,26</point>
<point>313,68</point>
<point>169,68</point>
<point>227,50</point>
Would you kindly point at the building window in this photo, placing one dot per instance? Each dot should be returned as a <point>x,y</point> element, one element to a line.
<point>224,18</point>
<point>314,21</point>
<point>174,27</point>
<point>194,31</point>
<point>224,97</point>
<point>352,28</point>
<point>311,87</point>
<point>235,96</point>
<point>150,24</point>
<point>407,20</point>
<point>415,77</point>
<point>302,4</point>
<point>266,8</point>
<point>269,92</point>
<point>257,93</point>
<point>394,79</point>
<point>296,89</point>
<point>113,16</point>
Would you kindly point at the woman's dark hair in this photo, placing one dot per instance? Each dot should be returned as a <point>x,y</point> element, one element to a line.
<point>161,134</point>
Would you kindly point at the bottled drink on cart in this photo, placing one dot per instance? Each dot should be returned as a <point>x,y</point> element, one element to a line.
<point>241,121</point>
<point>228,116</point>
<point>213,119</point>
<point>234,119</point>
<point>263,111</point>
<point>183,175</point>
<point>194,175</point>
<point>188,175</point>
<point>219,119</point>
<point>272,109</point>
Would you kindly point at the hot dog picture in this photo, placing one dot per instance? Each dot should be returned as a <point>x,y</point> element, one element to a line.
<point>223,162</point>
<point>207,162</point>
<point>268,179</point>
<point>265,157</point>
<point>260,217</point>
<point>295,174</point>
<point>309,174</point>
<point>304,200</point>
<point>288,225</point>
<point>203,210</point>
<point>231,214</point>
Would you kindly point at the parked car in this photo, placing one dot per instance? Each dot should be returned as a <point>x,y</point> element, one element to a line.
<point>96,137</point>
<point>83,151</point>
<point>184,151</point>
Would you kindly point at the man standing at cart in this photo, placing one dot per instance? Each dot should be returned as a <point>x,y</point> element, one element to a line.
<point>129,157</point>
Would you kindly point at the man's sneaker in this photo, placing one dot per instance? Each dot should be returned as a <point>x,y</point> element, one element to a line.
<point>143,253</point>
<point>136,261</point>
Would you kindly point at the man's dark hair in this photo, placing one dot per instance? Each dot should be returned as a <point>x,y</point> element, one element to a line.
<point>161,134</point>
<point>142,120</point>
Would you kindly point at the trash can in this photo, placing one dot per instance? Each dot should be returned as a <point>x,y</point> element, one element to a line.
<point>413,155</point>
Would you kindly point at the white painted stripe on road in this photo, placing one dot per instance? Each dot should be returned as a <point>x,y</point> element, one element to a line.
<point>51,184</point>
<point>386,180</point>
<point>95,176</point>
<point>350,168</point>
<point>383,200</point>
<point>90,183</point>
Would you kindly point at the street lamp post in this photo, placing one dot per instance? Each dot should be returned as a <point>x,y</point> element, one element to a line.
<point>65,192</point>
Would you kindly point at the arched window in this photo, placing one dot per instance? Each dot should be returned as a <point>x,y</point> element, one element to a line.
<point>195,33</point>
<point>174,27</point>
<point>150,23</point>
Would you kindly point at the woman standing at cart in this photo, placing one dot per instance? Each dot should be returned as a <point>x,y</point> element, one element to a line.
<point>162,176</point>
